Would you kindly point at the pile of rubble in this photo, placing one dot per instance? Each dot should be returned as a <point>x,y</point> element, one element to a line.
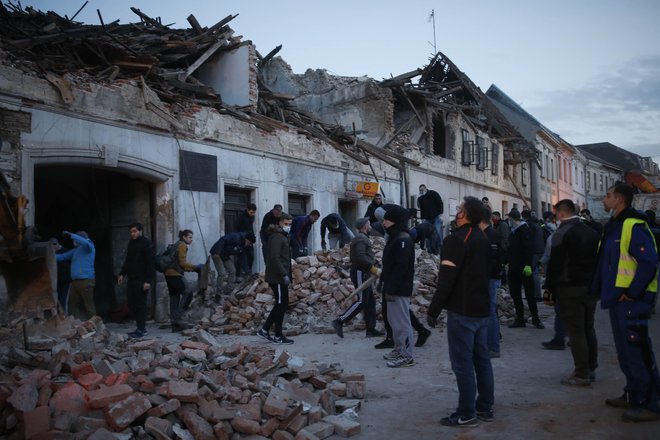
<point>320,290</point>
<point>86,382</point>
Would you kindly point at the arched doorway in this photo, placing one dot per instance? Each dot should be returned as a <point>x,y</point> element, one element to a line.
<point>101,202</point>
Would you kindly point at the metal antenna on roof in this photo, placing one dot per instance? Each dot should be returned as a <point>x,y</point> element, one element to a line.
<point>432,18</point>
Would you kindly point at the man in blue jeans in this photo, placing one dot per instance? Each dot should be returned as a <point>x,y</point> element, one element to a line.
<point>431,209</point>
<point>463,290</point>
<point>494,283</point>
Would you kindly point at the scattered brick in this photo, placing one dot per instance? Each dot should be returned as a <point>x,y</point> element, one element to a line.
<point>124,412</point>
<point>105,396</point>
<point>36,422</point>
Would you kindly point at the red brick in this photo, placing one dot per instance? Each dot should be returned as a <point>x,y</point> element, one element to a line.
<point>111,379</point>
<point>90,381</point>
<point>200,428</point>
<point>157,427</point>
<point>164,408</point>
<point>45,394</point>
<point>211,411</point>
<point>320,430</point>
<point>122,378</point>
<point>78,370</point>
<point>183,391</point>
<point>245,426</point>
<point>268,428</point>
<point>36,421</point>
<point>343,425</point>
<point>195,345</point>
<point>305,435</point>
<point>221,431</point>
<point>282,435</point>
<point>71,399</point>
<point>123,413</point>
<point>103,397</point>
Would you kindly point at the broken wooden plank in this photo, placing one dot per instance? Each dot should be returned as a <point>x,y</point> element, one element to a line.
<point>146,18</point>
<point>195,24</point>
<point>205,56</point>
<point>62,86</point>
<point>270,55</point>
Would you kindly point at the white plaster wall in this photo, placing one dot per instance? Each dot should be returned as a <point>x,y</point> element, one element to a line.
<point>229,75</point>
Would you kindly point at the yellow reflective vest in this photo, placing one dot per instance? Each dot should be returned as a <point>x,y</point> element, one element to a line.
<point>627,263</point>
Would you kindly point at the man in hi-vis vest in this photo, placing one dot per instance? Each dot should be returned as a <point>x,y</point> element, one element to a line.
<point>626,279</point>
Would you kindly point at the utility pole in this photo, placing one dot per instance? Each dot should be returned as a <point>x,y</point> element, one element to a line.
<point>432,18</point>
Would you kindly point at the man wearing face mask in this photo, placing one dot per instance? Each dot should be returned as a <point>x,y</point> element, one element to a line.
<point>431,209</point>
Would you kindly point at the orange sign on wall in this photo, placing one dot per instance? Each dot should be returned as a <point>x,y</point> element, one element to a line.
<point>368,189</point>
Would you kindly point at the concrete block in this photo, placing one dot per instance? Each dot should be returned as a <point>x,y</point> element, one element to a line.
<point>357,389</point>
<point>343,425</point>
<point>320,429</point>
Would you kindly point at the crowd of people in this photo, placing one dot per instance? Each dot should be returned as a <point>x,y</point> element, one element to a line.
<point>565,259</point>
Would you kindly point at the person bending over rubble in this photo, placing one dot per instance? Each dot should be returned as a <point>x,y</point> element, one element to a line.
<point>223,252</point>
<point>300,229</point>
<point>338,232</point>
<point>278,276</point>
<point>179,298</point>
<point>363,263</point>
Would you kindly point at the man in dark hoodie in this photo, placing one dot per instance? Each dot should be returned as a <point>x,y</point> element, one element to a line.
<point>538,247</point>
<point>626,279</point>
<point>272,217</point>
<point>371,209</point>
<point>278,276</point>
<point>140,270</point>
<point>363,265</point>
<point>339,234</point>
<point>397,276</point>
<point>223,252</point>
<point>520,255</point>
<point>463,291</point>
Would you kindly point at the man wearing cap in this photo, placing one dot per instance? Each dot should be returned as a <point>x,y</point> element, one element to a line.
<point>83,280</point>
<point>223,251</point>
<point>397,276</point>
<point>520,270</point>
<point>338,232</point>
<point>363,265</point>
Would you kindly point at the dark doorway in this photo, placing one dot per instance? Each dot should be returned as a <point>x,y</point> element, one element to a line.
<point>102,203</point>
<point>348,211</point>
<point>297,204</point>
<point>236,200</point>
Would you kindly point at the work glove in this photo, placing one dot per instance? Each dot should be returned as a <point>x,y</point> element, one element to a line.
<point>374,270</point>
<point>287,280</point>
<point>431,320</point>
<point>527,271</point>
<point>323,245</point>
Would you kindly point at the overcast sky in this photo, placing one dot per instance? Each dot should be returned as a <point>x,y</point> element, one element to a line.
<point>588,70</point>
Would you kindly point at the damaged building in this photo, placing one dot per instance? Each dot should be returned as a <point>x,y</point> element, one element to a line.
<point>104,125</point>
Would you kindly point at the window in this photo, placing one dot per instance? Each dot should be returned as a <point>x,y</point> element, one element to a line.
<point>439,136</point>
<point>481,157</point>
<point>588,181</point>
<point>468,149</point>
<point>552,169</point>
<point>582,178</point>
<point>560,162</point>
<point>576,176</point>
<point>595,183</point>
<point>523,174</point>
<point>198,172</point>
<point>236,200</point>
<point>495,161</point>
<point>601,182</point>
<point>547,166</point>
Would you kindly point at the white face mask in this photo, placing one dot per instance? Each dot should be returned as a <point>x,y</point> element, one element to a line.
<point>422,192</point>
<point>286,229</point>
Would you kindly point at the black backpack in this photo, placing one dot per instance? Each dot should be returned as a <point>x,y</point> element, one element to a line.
<point>167,259</point>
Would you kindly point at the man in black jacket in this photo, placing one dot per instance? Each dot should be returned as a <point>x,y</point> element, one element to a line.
<point>140,269</point>
<point>272,217</point>
<point>520,255</point>
<point>463,290</point>
<point>363,265</point>
<point>570,269</point>
<point>245,223</point>
<point>339,234</point>
<point>431,209</point>
<point>494,281</point>
<point>222,253</point>
<point>538,247</point>
<point>371,209</point>
<point>397,276</point>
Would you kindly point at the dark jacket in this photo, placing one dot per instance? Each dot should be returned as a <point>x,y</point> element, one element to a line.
<point>229,244</point>
<point>423,231</point>
<point>520,248</point>
<point>244,222</point>
<point>463,289</point>
<point>504,231</point>
<point>371,209</point>
<point>278,255</point>
<point>538,239</point>
<point>642,249</point>
<point>300,228</point>
<point>362,255</point>
<point>332,219</point>
<point>495,253</point>
<point>398,262</point>
<point>139,262</point>
<point>430,205</point>
<point>269,219</point>
<point>572,255</point>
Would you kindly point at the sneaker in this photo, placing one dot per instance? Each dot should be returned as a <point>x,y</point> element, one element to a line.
<point>619,402</point>
<point>264,334</point>
<point>394,354</point>
<point>575,381</point>
<point>422,337</point>
<point>387,343</point>
<point>538,324</point>
<point>282,340</point>
<point>339,328</point>
<point>373,333</point>
<point>485,416</point>
<point>137,334</point>
<point>554,344</point>
<point>457,421</point>
<point>401,362</point>
<point>516,324</point>
<point>640,414</point>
